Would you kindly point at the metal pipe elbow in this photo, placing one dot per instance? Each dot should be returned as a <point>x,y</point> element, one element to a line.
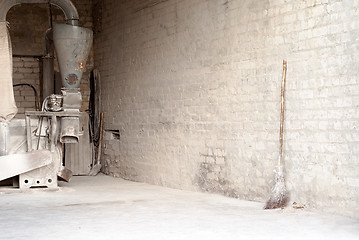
<point>68,8</point>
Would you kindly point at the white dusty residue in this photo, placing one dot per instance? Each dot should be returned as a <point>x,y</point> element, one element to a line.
<point>103,207</point>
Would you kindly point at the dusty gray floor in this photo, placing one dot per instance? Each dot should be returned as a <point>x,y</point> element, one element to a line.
<point>107,208</point>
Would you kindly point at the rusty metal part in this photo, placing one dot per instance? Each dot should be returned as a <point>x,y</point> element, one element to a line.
<point>65,174</point>
<point>71,79</point>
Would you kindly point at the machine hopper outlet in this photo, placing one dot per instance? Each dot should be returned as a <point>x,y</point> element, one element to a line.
<point>69,130</point>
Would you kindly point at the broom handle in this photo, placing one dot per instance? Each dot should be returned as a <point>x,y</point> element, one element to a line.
<point>100,140</point>
<point>282,113</point>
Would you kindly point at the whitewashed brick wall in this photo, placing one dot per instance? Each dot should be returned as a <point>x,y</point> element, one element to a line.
<point>26,70</point>
<point>193,86</point>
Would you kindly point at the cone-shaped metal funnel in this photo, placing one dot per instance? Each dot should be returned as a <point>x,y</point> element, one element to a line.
<point>72,46</point>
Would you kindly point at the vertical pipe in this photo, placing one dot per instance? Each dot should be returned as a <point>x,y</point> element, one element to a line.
<point>48,84</point>
<point>53,133</point>
<point>28,133</point>
<point>48,77</point>
<point>4,138</point>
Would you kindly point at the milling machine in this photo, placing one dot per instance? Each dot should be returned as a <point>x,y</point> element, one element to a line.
<point>31,150</point>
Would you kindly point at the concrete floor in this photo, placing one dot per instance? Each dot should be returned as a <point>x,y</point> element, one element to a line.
<point>103,207</point>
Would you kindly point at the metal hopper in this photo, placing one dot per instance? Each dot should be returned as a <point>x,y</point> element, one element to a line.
<point>72,44</point>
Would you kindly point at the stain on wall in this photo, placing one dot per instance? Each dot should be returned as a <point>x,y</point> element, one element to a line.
<point>194,88</point>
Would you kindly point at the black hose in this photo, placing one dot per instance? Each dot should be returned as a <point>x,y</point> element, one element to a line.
<point>37,107</point>
<point>50,14</point>
<point>92,109</point>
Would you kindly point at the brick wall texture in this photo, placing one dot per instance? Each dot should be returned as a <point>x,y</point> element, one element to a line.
<point>193,86</point>
<point>28,24</point>
<point>26,70</point>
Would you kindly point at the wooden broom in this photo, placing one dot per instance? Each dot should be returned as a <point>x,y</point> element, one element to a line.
<point>279,197</point>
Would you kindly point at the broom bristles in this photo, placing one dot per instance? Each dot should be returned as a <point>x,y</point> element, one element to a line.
<point>279,197</point>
